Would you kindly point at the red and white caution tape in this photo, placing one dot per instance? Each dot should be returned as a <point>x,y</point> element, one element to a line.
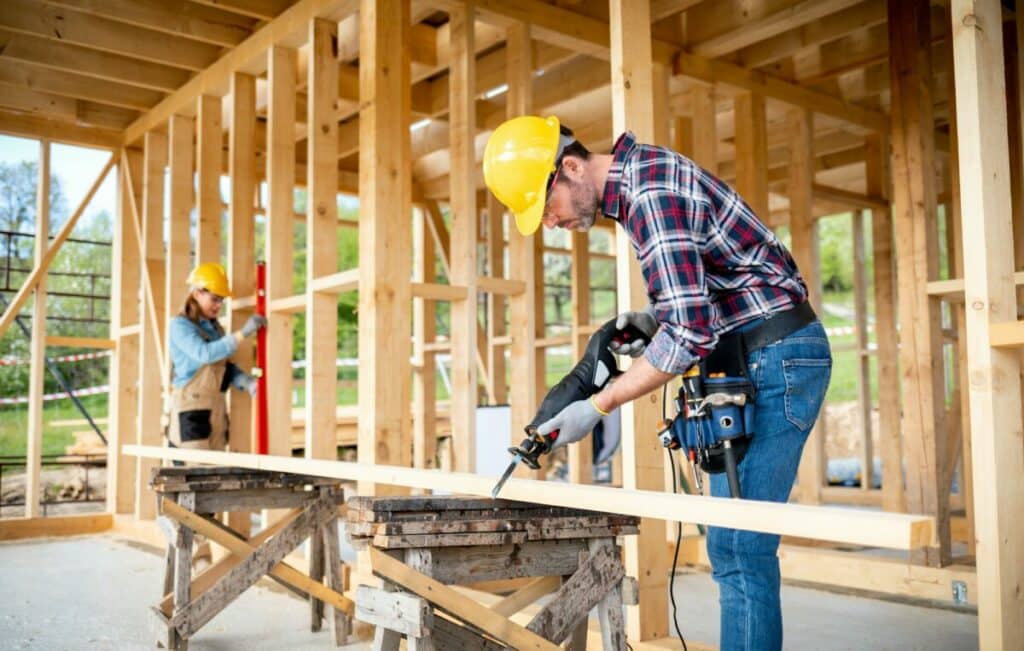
<point>10,361</point>
<point>88,391</point>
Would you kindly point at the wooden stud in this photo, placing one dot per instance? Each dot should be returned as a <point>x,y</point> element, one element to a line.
<point>424,439</point>
<point>280,239</point>
<point>998,461</point>
<point>179,232</point>
<point>321,240</point>
<point>385,192</point>
<point>860,306</point>
<point>581,470</point>
<point>495,301</point>
<point>642,455</point>
<point>752,152</point>
<point>705,133</point>
<point>208,168</point>
<point>523,317</point>
<point>37,344</point>
<point>462,117</point>
<point>890,437</point>
<point>124,364</point>
<point>914,214</point>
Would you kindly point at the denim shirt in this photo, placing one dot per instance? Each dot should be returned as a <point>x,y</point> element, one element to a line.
<point>189,350</point>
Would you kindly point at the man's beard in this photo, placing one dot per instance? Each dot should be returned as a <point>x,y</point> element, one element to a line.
<point>585,204</point>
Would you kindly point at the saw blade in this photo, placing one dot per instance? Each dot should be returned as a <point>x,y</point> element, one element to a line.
<point>504,478</point>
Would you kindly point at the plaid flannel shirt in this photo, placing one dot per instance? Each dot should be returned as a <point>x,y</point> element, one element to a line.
<point>710,265</point>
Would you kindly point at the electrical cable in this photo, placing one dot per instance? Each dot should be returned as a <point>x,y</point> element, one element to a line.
<point>679,525</point>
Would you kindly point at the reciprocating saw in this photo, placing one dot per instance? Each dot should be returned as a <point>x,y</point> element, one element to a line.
<point>588,377</point>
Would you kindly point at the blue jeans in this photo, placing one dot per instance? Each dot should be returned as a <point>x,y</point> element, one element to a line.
<point>791,377</point>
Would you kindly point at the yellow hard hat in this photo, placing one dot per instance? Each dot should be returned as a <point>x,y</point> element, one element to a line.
<point>518,160</point>
<point>211,277</point>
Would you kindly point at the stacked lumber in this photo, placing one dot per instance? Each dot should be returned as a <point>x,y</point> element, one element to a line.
<point>452,521</point>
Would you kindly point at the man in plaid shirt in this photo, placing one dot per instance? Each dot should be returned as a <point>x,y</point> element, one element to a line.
<point>712,269</point>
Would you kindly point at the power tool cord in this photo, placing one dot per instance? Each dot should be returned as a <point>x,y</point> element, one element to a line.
<point>679,525</point>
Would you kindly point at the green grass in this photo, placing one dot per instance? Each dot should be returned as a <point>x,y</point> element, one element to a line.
<point>14,425</point>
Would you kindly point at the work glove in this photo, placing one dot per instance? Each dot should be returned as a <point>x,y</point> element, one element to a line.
<point>644,321</point>
<point>253,324</point>
<point>246,382</point>
<point>573,423</point>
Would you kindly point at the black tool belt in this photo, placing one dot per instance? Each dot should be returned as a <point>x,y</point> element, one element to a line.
<point>730,355</point>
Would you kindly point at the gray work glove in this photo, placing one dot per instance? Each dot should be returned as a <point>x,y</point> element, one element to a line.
<point>253,325</point>
<point>645,322</point>
<point>246,382</point>
<point>573,423</point>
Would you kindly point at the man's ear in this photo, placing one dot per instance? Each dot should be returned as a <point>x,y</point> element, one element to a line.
<point>572,166</point>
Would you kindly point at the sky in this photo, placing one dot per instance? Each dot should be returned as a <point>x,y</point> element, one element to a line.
<point>76,167</point>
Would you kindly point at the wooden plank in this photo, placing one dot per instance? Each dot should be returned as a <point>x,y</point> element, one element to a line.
<point>95,343</point>
<point>99,33</point>
<point>752,152</point>
<point>705,135</point>
<point>914,214</point>
<point>462,116</point>
<point>287,30</point>
<point>124,364</point>
<point>32,126</point>
<point>860,289</point>
<point>209,165</point>
<point>336,283</point>
<point>496,316</point>
<point>54,526</point>
<point>438,292</point>
<point>995,406</point>
<point>890,530</point>
<point>151,337</point>
<point>385,191</point>
<point>280,236</point>
<point>581,470</point>
<point>500,286</point>
<point>262,9</point>
<point>37,342</point>
<point>321,239</point>
<point>43,264</point>
<point>523,319</point>
<point>642,456</point>
<point>890,437</point>
<point>181,131</point>
<point>424,434</point>
<point>67,84</point>
<point>182,580</point>
<point>395,611</point>
<point>456,603</point>
<point>599,574</point>
<point>526,595</point>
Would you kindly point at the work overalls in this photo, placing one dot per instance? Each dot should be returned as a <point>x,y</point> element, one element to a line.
<point>198,415</point>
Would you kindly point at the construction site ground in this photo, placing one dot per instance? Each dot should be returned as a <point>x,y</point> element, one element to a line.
<point>94,592</point>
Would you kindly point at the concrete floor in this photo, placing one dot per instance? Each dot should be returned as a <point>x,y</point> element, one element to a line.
<point>95,593</point>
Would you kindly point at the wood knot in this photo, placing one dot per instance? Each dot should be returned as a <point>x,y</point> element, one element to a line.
<point>970,20</point>
<point>978,305</point>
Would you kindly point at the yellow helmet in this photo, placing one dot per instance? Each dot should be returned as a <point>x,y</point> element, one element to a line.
<point>518,160</point>
<point>211,277</point>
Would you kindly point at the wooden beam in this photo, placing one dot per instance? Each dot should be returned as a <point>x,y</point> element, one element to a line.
<point>642,458</point>
<point>462,116</point>
<point>287,30</point>
<point>262,9</point>
<point>526,595</point>
<point>54,525</point>
<point>38,273</point>
<point>280,236</point>
<point>385,191</point>
<point>856,527</point>
<point>495,301</point>
<point>124,365</point>
<point>31,126</point>
<point>424,435</point>
<point>81,342</point>
<point>581,468</point>
<point>181,131</point>
<point>37,343</point>
<point>459,605</point>
<point>78,111</point>
<point>890,436</point>
<point>321,240</point>
<point>209,164</point>
<point>66,84</point>
<point>985,210</point>
<point>35,18</point>
<point>860,307</point>
<point>914,214</point>
<point>752,152</point>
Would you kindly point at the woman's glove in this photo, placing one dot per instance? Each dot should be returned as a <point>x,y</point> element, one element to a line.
<point>645,322</point>
<point>245,382</point>
<point>253,325</point>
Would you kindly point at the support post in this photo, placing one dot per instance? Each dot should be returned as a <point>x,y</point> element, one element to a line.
<point>581,454</point>
<point>752,152</point>
<point>321,241</point>
<point>860,308</point>
<point>496,302</point>
<point>914,209</point>
<point>179,240</point>
<point>632,99</point>
<point>424,439</point>
<point>209,167</point>
<point>37,345</point>
<point>385,192</point>
<point>996,423</point>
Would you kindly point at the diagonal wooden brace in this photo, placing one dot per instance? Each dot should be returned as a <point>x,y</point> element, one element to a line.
<point>268,555</point>
<point>569,606</point>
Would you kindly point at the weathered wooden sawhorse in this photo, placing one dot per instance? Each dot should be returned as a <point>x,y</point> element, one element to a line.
<point>419,546</point>
<point>189,496</point>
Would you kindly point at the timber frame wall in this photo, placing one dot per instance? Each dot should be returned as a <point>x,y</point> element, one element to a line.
<point>322,94</point>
